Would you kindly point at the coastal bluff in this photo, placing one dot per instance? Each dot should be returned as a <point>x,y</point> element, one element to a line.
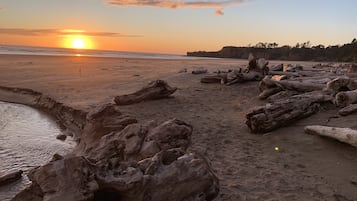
<point>344,53</point>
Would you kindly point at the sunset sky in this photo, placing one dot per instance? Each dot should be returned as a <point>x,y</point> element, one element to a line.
<point>175,26</point>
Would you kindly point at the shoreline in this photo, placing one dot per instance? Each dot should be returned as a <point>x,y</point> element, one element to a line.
<point>247,165</point>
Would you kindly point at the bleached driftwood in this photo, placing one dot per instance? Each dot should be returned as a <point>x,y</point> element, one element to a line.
<point>346,135</point>
<point>283,112</point>
<point>267,83</point>
<point>154,90</point>
<point>348,110</point>
<point>346,98</point>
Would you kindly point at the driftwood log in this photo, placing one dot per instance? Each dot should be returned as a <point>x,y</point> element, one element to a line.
<point>346,98</point>
<point>343,83</point>
<point>243,77</point>
<point>154,90</point>
<point>348,110</point>
<point>346,135</point>
<point>10,177</point>
<point>284,112</point>
<point>268,83</point>
<point>219,78</point>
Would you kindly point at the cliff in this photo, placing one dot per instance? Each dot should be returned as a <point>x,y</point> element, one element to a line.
<point>344,53</point>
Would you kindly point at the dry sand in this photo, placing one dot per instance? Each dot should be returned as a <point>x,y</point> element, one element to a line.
<point>249,167</point>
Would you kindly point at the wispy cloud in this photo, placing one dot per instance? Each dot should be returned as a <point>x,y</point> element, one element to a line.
<point>63,32</point>
<point>218,5</point>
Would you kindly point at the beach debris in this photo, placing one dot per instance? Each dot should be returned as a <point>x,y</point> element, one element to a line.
<point>184,70</point>
<point>348,110</point>
<point>345,135</point>
<point>10,177</point>
<point>278,67</point>
<point>342,83</point>
<point>219,78</point>
<point>139,141</point>
<point>256,70</point>
<point>285,111</point>
<point>269,87</point>
<point>291,68</point>
<point>257,64</point>
<point>132,164</point>
<point>99,122</point>
<point>352,68</point>
<point>199,71</point>
<point>346,98</point>
<point>183,176</point>
<point>157,89</point>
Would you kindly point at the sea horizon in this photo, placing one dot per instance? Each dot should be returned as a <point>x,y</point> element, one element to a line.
<point>53,51</point>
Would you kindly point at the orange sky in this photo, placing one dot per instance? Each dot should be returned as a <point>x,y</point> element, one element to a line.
<point>175,26</point>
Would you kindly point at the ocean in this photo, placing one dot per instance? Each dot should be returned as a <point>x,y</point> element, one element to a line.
<point>30,50</point>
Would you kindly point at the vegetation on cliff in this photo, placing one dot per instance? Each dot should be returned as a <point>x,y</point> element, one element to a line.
<point>300,52</point>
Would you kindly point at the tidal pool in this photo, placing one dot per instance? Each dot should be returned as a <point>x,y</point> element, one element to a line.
<point>27,139</point>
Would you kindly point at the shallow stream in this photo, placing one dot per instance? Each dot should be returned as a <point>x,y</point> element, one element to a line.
<point>27,139</point>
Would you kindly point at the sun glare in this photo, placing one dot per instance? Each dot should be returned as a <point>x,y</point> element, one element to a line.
<point>77,41</point>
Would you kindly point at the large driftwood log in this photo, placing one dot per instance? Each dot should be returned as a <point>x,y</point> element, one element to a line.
<point>341,84</point>
<point>346,135</point>
<point>348,110</point>
<point>283,112</point>
<point>268,83</point>
<point>154,90</point>
<point>346,98</point>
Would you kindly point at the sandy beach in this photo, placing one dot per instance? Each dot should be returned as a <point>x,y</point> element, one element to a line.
<point>285,164</point>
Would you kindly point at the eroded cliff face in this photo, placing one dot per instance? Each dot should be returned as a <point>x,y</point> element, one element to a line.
<point>117,158</point>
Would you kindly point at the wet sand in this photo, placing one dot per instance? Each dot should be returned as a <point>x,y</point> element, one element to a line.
<point>249,167</point>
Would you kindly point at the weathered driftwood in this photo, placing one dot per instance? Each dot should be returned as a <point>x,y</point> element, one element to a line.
<point>258,65</point>
<point>244,77</point>
<point>284,112</point>
<point>267,83</point>
<point>348,110</point>
<point>199,71</point>
<point>281,95</point>
<point>346,135</point>
<point>10,177</point>
<point>342,83</point>
<point>269,92</point>
<point>346,98</point>
<point>219,78</point>
<point>352,68</point>
<point>154,90</point>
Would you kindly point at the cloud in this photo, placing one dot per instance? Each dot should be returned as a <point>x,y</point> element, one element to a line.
<point>63,32</point>
<point>218,5</point>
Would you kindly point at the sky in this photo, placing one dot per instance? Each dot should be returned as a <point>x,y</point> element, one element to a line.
<point>175,26</point>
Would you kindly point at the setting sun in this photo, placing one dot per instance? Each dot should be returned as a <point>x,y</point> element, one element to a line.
<point>78,43</point>
<point>76,40</point>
